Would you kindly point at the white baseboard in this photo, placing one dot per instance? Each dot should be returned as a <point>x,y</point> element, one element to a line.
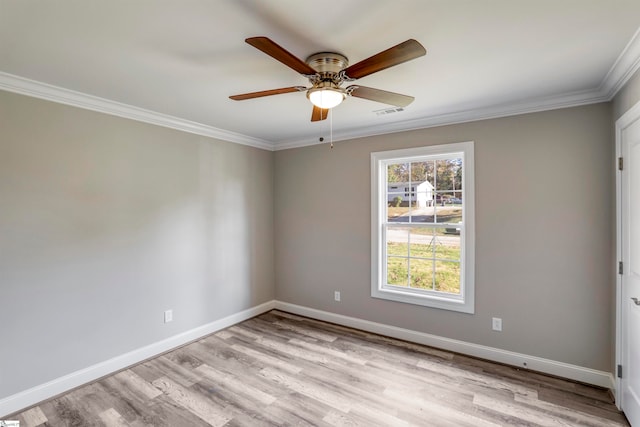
<point>60,385</point>
<point>552,367</point>
<point>32,396</point>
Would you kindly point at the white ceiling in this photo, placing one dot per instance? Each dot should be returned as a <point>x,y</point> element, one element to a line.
<point>175,62</point>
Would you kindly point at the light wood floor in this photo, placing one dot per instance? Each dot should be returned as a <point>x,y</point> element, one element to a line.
<point>281,369</point>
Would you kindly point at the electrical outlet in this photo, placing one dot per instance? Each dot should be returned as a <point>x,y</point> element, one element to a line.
<point>168,316</point>
<point>336,295</point>
<point>496,324</point>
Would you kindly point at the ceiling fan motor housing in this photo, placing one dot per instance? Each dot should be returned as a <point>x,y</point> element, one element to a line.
<point>327,62</point>
<point>328,65</point>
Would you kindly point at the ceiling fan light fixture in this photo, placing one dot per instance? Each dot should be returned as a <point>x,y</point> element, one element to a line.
<point>325,98</point>
<point>326,71</point>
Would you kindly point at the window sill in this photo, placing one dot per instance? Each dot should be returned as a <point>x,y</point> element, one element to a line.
<point>441,302</point>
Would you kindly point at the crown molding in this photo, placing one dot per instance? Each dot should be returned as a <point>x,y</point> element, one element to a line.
<point>625,66</point>
<point>24,86</point>
<point>573,99</point>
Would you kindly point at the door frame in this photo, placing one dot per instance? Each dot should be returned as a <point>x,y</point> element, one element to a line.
<point>627,119</point>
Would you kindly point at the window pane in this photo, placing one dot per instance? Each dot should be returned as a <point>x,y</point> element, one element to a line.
<point>397,241</point>
<point>398,235</point>
<point>423,191</point>
<point>397,212</point>
<point>411,204</point>
<point>430,167</point>
<point>422,242</point>
<point>457,198</point>
<point>398,173</point>
<point>445,210</point>
<point>447,277</point>
<point>419,171</point>
<point>448,174</point>
<point>397,271</point>
<point>457,174</point>
<point>418,226</point>
<point>424,196</point>
<point>424,209</point>
<point>422,274</point>
<point>447,244</point>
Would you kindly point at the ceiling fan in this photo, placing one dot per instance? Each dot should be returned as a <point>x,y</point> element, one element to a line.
<point>327,71</point>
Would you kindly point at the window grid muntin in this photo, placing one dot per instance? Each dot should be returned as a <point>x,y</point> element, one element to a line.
<point>385,164</point>
<point>401,190</point>
<point>386,256</point>
<point>465,301</point>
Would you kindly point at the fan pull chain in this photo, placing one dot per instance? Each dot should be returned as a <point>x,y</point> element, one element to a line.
<point>330,128</point>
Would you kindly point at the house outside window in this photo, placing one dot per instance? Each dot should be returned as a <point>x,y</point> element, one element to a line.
<point>423,226</point>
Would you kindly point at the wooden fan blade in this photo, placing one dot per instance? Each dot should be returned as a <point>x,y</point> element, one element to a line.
<point>279,53</point>
<point>378,95</point>
<point>398,54</point>
<point>319,114</point>
<point>252,95</point>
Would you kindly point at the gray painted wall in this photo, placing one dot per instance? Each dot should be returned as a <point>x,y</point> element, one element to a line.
<point>543,234</point>
<point>107,222</point>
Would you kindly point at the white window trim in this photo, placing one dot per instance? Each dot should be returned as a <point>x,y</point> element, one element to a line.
<point>465,302</point>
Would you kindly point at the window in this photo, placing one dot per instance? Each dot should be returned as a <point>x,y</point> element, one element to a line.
<point>422,203</point>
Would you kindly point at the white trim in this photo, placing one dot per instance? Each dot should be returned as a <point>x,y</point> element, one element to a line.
<point>23,86</point>
<point>574,99</point>
<point>623,69</point>
<point>628,118</point>
<point>465,302</point>
<point>34,395</point>
<point>548,366</point>
<point>618,75</point>
<point>60,385</point>
<point>627,63</point>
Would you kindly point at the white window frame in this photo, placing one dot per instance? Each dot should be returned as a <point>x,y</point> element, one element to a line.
<point>464,302</point>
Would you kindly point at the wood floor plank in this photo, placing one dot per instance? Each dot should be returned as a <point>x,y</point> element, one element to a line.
<point>241,330</point>
<point>236,385</point>
<point>132,405</point>
<point>524,412</point>
<point>215,416</point>
<point>68,411</point>
<point>299,410</point>
<point>165,412</point>
<point>241,364</point>
<point>286,370</point>
<point>112,418</point>
<point>325,350</point>
<point>224,334</point>
<point>307,388</point>
<point>339,419</point>
<point>436,410</point>
<point>176,372</point>
<point>489,381</point>
<point>577,401</point>
<point>33,417</point>
<point>562,412</point>
<point>267,359</point>
<point>238,407</point>
<point>133,382</point>
<point>307,332</point>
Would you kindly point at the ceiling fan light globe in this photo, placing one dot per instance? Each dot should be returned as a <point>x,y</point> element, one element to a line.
<point>325,98</point>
